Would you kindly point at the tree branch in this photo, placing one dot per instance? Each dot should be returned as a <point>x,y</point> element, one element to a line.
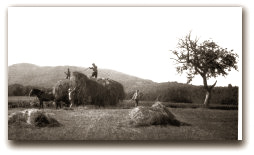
<point>198,70</point>
<point>211,87</point>
<point>178,60</point>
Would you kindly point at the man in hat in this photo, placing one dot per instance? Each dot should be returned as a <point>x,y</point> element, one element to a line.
<point>95,70</point>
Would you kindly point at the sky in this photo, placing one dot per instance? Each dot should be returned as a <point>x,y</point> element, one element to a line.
<point>132,40</point>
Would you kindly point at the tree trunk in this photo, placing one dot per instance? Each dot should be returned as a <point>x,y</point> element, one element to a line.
<point>208,91</point>
<point>207,98</point>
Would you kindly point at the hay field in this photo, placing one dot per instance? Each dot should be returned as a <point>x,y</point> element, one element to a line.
<point>26,102</point>
<point>113,124</point>
<point>20,99</point>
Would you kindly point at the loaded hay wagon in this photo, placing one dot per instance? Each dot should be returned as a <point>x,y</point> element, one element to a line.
<point>88,91</point>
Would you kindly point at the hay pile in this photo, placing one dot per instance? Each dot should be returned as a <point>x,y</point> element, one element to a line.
<point>60,91</point>
<point>115,91</point>
<point>32,117</point>
<point>95,91</point>
<point>157,114</point>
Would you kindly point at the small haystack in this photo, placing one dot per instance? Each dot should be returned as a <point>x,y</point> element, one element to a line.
<point>33,117</point>
<point>60,91</point>
<point>158,114</point>
<point>95,91</point>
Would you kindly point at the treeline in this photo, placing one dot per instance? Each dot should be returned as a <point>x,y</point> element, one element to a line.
<point>20,90</point>
<point>183,93</point>
<point>165,92</point>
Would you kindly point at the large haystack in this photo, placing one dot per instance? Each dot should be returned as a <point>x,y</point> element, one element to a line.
<point>33,117</point>
<point>96,91</point>
<point>158,114</point>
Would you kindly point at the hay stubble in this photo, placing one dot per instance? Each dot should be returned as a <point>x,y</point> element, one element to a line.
<point>112,124</point>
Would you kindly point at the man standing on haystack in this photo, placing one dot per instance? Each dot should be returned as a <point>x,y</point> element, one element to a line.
<point>136,97</point>
<point>95,70</point>
<point>68,74</point>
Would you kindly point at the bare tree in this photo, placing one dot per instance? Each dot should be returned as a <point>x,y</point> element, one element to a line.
<point>206,59</point>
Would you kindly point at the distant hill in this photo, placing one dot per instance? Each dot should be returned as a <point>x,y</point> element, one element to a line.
<point>29,76</point>
<point>33,75</point>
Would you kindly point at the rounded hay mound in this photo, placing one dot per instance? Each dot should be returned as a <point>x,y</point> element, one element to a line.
<point>115,91</point>
<point>157,114</point>
<point>33,117</point>
<point>95,91</point>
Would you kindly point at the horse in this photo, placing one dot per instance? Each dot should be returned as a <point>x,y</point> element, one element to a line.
<point>42,96</point>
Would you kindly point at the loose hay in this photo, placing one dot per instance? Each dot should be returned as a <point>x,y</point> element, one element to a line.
<point>65,108</point>
<point>60,92</point>
<point>157,114</point>
<point>33,117</point>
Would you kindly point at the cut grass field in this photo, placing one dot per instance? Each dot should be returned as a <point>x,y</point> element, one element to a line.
<point>113,124</point>
<point>24,102</point>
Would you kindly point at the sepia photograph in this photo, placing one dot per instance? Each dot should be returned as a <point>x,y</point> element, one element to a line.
<point>125,73</point>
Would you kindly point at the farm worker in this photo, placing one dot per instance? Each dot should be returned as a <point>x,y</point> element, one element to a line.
<point>95,71</point>
<point>71,96</point>
<point>68,74</point>
<point>135,97</point>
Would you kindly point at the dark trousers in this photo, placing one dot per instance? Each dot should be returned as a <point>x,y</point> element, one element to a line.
<point>136,102</point>
<point>94,74</point>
